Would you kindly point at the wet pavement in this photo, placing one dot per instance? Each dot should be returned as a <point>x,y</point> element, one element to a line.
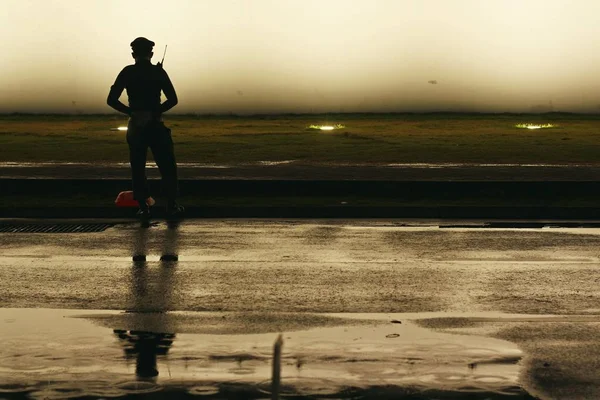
<point>367,308</point>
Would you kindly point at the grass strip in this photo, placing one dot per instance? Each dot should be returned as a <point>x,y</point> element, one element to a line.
<point>379,138</point>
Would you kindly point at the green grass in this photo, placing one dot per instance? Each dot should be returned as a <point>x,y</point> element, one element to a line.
<point>366,138</point>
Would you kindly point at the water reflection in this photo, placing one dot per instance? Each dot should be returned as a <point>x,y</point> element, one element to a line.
<point>151,290</point>
<point>73,358</point>
<point>151,294</point>
<point>144,347</point>
<point>170,242</point>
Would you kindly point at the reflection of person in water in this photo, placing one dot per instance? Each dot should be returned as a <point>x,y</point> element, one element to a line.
<point>170,243</point>
<point>145,347</point>
<point>151,294</point>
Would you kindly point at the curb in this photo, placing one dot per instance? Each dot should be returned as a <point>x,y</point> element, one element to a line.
<point>449,212</point>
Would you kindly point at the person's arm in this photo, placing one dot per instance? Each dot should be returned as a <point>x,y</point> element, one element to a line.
<point>115,92</point>
<point>169,91</point>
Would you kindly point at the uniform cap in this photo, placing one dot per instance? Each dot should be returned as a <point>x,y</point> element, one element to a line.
<point>142,43</point>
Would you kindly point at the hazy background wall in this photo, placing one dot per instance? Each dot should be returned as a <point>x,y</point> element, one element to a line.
<point>258,56</point>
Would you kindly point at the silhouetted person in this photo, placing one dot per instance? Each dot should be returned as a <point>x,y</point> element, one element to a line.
<point>144,83</point>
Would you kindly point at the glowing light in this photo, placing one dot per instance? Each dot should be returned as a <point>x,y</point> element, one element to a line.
<point>326,127</point>
<point>535,126</point>
<point>122,128</point>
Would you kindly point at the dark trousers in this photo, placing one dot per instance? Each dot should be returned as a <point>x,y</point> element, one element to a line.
<point>157,137</point>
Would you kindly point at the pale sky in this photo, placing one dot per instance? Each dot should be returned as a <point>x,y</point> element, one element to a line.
<point>270,56</point>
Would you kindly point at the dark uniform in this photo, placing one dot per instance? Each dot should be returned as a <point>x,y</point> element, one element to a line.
<point>144,83</point>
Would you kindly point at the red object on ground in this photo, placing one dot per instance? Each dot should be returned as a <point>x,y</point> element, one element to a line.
<point>125,199</point>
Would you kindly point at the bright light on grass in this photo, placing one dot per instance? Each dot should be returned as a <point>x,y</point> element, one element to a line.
<point>326,127</point>
<point>121,128</point>
<point>535,126</point>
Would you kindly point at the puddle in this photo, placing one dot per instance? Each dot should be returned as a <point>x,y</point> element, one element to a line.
<point>48,354</point>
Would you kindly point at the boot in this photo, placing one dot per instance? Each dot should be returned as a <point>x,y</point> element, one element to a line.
<point>144,211</point>
<point>174,210</point>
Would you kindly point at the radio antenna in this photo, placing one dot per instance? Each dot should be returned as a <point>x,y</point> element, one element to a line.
<point>160,64</point>
<point>163,59</point>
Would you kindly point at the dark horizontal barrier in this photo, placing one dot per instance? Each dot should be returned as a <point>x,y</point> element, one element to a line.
<point>408,199</point>
<point>389,189</point>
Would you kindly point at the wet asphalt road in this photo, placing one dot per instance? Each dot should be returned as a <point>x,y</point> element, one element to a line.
<point>303,265</point>
<point>257,273</point>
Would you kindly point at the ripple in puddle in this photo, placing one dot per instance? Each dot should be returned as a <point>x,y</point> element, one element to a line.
<point>301,387</point>
<point>443,378</point>
<point>242,371</point>
<point>203,390</point>
<point>59,391</point>
<point>490,379</point>
<point>135,387</point>
<point>16,387</point>
<point>452,378</point>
